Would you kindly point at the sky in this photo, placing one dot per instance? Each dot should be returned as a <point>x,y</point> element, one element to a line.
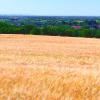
<point>50,7</point>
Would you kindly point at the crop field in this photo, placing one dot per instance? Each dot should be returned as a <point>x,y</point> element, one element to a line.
<point>49,68</point>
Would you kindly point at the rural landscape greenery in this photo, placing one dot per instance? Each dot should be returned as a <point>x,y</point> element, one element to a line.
<point>54,26</point>
<point>49,58</point>
<point>49,49</point>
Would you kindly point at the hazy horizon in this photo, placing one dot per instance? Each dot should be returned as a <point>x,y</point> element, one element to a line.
<point>50,8</point>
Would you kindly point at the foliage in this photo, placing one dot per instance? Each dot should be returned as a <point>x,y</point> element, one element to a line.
<point>61,30</point>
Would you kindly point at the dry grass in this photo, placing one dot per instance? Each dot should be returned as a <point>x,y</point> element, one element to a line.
<point>49,68</point>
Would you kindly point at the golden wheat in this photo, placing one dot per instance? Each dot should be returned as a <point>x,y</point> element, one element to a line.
<point>49,68</point>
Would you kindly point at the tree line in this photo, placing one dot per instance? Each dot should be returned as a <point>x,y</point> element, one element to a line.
<point>61,30</point>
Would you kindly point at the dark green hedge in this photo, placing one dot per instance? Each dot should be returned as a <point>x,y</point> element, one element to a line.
<point>7,28</point>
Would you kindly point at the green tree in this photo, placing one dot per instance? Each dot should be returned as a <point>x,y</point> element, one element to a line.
<point>35,31</point>
<point>97,34</point>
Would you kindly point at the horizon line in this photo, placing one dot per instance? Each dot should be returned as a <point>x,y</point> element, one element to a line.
<point>50,15</point>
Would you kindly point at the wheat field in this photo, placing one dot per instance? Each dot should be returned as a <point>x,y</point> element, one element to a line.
<point>49,68</point>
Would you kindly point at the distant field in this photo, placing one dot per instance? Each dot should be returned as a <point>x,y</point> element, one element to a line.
<point>49,68</point>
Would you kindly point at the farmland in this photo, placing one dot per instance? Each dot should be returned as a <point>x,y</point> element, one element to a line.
<point>49,68</point>
<point>73,26</point>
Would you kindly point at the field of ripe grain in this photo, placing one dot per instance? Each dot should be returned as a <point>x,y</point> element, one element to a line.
<point>49,68</point>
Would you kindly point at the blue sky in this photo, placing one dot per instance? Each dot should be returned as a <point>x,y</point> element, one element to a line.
<point>51,7</point>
